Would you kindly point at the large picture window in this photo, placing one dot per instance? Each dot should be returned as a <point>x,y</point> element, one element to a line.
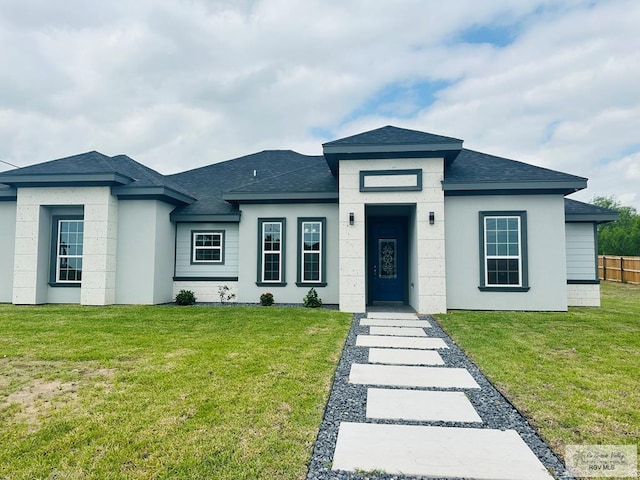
<point>503,251</point>
<point>311,251</point>
<point>69,245</point>
<point>271,248</point>
<point>207,247</point>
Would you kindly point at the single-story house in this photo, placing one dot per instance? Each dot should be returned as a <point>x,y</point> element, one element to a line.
<point>386,216</point>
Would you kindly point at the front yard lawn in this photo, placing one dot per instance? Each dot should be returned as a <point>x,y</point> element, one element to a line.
<point>575,375</point>
<point>163,392</point>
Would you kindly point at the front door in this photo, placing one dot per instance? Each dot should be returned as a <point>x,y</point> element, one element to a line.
<point>387,254</point>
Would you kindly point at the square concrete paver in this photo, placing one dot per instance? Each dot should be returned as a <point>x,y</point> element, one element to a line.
<point>419,405</point>
<point>398,331</point>
<point>387,341</point>
<point>436,452</point>
<point>392,315</point>
<point>399,356</point>
<point>371,322</point>
<point>411,376</point>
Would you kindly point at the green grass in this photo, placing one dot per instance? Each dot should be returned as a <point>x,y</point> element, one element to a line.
<point>575,375</point>
<point>163,392</point>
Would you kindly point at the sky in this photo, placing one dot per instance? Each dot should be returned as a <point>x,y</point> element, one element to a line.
<point>177,84</point>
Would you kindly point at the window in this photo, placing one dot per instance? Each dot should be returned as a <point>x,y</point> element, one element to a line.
<point>311,251</point>
<point>207,247</point>
<point>271,248</point>
<point>503,251</point>
<point>69,243</point>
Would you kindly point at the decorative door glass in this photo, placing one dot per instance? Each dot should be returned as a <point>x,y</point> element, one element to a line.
<point>388,258</point>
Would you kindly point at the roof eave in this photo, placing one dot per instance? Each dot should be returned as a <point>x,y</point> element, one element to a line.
<point>65,179</point>
<point>8,194</point>
<point>243,197</point>
<point>390,148</point>
<point>176,216</point>
<point>467,188</point>
<point>591,217</point>
<point>162,193</point>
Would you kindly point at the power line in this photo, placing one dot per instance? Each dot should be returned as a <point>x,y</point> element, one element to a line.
<point>10,164</point>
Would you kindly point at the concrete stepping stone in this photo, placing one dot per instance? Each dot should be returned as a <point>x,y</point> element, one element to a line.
<point>436,452</point>
<point>411,376</point>
<point>398,356</point>
<point>370,322</point>
<point>392,315</point>
<point>400,342</point>
<point>420,405</point>
<point>398,331</point>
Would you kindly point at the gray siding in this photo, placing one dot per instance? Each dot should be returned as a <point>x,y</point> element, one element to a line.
<point>546,253</point>
<point>581,251</point>
<point>248,291</point>
<point>184,267</point>
<point>7,249</point>
<point>145,252</point>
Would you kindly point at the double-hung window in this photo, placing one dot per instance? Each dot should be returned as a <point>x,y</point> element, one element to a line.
<point>271,250</point>
<point>69,245</point>
<point>503,251</point>
<point>207,247</point>
<point>311,251</point>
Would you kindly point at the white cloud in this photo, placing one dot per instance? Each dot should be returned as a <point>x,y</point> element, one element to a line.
<point>182,83</point>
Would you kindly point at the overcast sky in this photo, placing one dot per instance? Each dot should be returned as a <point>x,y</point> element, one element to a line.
<point>180,84</point>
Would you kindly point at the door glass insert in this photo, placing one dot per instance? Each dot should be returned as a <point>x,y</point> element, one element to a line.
<point>388,258</point>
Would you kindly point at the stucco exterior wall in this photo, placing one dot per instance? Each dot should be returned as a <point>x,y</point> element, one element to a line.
<point>145,252</point>
<point>427,249</point>
<point>7,249</point>
<point>32,234</point>
<point>248,262</point>
<point>546,253</point>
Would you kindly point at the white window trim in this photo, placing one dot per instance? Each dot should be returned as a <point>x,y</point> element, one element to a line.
<point>318,252</point>
<point>194,248</point>
<point>488,257</point>
<point>59,256</point>
<point>271,252</point>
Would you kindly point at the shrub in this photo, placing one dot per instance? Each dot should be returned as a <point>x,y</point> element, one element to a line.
<point>185,297</point>
<point>266,299</point>
<point>223,293</point>
<point>311,299</point>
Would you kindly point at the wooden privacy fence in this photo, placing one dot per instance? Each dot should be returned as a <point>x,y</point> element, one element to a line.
<point>619,269</point>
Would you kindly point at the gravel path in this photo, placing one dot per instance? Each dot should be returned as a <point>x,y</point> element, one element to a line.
<point>347,403</point>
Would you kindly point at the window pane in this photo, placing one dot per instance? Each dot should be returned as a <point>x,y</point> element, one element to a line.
<point>69,250</point>
<point>272,267</point>
<point>311,267</point>
<point>503,272</point>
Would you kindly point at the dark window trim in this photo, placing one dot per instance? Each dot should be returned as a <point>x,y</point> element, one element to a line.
<point>222,249</point>
<point>379,173</point>
<point>53,256</point>
<point>322,282</point>
<point>524,252</point>
<point>283,236</point>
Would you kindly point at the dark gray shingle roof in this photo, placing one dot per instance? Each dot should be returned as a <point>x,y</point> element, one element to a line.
<point>476,167</point>
<point>391,135</point>
<point>277,172</point>
<point>579,211</point>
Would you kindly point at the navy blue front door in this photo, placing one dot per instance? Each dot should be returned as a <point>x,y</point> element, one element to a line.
<point>387,257</point>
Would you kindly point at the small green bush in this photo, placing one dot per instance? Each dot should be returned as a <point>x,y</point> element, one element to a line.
<point>266,299</point>
<point>311,299</point>
<point>185,297</point>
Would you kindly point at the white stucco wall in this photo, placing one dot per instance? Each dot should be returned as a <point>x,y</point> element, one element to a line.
<point>427,247</point>
<point>248,262</point>
<point>7,249</point>
<point>33,227</point>
<point>546,253</point>
<point>145,252</point>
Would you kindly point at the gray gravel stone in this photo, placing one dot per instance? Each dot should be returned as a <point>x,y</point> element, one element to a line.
<point>347,403</point>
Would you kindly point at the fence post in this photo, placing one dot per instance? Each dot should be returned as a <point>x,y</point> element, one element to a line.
<point>622,270</point>
<point>604,267</point>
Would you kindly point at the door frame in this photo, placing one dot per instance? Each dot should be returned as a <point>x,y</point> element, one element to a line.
<point>372,220</point>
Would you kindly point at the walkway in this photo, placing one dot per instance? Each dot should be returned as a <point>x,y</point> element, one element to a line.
<point>407,403</point>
